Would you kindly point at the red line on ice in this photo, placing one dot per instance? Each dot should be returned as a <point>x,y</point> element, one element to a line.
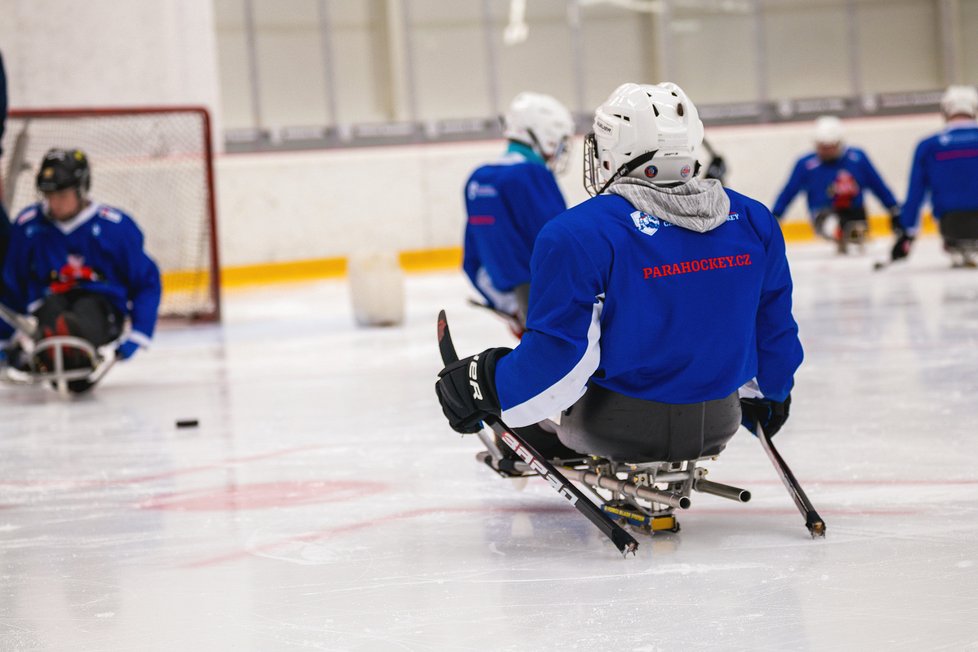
<point>108,482</point>
<point>353,527</point>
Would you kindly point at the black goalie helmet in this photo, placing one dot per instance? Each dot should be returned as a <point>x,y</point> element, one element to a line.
<point>64,168</point>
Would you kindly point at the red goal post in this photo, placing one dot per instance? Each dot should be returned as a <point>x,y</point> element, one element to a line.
<point>154,163</point>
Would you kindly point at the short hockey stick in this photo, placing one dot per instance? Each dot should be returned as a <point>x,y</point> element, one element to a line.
<point>511,320</point>
<point>814,522</point>
<point>625,542</point>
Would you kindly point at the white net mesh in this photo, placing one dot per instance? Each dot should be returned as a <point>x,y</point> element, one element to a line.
<point>152,164</point>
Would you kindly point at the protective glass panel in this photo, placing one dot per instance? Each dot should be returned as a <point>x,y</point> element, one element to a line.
<point>968,29</point>
<point>543,62</point>
<point>712,51</point>
<point>451,70</point>
<point>898,45</point>
<point>618,46</point>
<point>232,60</point>
<point>807,48</point>
<point>290,62</point>
<point>361,62</point>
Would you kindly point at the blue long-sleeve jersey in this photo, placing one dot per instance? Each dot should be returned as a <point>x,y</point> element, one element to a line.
<point>945,166</point>
<point>507,202</point>
<point>661,313</point>
<point>835,184</point>
<point>103,248</point>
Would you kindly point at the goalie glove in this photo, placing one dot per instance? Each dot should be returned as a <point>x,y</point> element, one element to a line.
<point>770,414</point>
<point>466,390</point>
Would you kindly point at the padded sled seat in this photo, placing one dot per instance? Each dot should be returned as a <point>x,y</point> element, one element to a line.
<point>625,429</point>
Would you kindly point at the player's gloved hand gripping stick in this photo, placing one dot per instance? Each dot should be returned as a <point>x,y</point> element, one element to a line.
<point>623,540</point>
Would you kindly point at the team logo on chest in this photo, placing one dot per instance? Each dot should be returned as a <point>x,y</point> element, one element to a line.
<point>648,224</point>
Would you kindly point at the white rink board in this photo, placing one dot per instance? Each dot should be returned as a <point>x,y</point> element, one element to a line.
<point>282,207</point>
<point>323,503</point>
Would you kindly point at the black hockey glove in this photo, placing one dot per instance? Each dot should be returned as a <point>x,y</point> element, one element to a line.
<point>466,390</point>
<point>901,249</point>
<point>895,225</point>
<point>770,414</point>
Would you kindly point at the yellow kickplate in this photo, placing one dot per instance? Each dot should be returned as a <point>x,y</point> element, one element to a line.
<point>624,513</point>
<point>663,523</point>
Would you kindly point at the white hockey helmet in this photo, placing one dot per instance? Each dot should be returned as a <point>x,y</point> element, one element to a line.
<point>643,130</point>
<point>960,100</point>
<point>543,123</point>
<point>828,131</point>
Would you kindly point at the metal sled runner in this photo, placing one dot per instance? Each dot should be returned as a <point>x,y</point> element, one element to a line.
<point>45,360</point>
<point>644,495</point>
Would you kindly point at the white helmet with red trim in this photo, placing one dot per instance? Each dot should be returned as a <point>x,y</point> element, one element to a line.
<point>643,130</point>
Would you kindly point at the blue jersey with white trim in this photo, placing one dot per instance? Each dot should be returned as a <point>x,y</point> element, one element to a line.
<point>945,166</point>
<point>507,202</point>
<point>632,303</point>
<point>100,250</point>
<point>838,184</point>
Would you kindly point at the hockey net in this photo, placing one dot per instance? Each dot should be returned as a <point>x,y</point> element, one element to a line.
<point>156,164</point>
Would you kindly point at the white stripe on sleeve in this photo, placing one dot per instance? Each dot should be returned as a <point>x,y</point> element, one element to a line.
<point>567,390</point>
<point>505,301</point>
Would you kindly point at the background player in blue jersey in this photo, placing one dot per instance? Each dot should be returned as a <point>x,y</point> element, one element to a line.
<point>945,167</point>
<point>79,265</point>
<point>833,178</point>
<point>651,305</point>
<point>509,200</point>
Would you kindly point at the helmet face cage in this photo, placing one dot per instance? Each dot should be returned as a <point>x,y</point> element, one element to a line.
<point>556,160</point>
<point>592,183</point>
<point>561,157</point>
<point>542,123</point>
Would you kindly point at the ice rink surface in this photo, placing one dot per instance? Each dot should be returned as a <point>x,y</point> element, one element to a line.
<point>323,503</point>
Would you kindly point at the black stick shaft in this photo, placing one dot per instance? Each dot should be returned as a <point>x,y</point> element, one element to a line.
<point>814,522</point>
<point>623,540</point>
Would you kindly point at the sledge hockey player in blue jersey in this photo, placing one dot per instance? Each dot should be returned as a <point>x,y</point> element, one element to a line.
<point>651,304</point>
<point>945,167</point>
<point>78,266</point>
<point>509,200</point>
<point>833,178</point>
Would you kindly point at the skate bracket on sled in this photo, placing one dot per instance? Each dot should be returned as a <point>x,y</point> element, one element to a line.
<point>645,496</point>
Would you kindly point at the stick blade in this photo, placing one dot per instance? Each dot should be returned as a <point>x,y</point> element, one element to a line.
<point>445,346</point>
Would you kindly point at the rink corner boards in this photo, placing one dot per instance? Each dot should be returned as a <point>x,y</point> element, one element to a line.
<point>443,259</point>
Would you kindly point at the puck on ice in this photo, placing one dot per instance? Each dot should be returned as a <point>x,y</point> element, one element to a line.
<point>878,265</point>
<point>187,423</point>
